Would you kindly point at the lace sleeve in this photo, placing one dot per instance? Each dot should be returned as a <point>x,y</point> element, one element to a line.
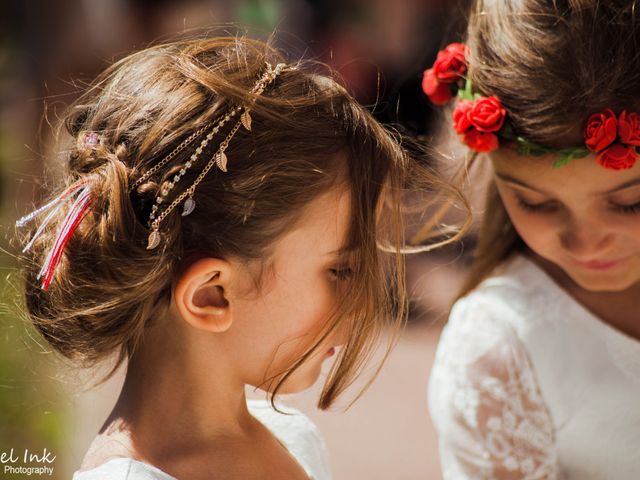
<point>485,402</point>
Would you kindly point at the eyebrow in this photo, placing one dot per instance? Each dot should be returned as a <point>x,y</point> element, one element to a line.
<point>507,178</point>
<point>630,183</point>
<point>343,251</point>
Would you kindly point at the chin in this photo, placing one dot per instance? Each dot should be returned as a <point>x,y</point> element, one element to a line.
<point>601,282</point>
<point>301,380</point>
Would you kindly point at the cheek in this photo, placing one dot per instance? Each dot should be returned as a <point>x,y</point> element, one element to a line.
<point>627,228</point>
<point>314,308</point>
<point>539,232</point>
<point>300,311</point>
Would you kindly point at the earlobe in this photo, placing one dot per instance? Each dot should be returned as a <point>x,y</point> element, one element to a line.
<point>200,295</point>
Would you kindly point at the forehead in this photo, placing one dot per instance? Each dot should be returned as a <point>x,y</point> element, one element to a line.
<point>581,177</point>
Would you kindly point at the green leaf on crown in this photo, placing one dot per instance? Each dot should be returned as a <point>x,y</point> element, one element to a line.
<point>567,154</point>
<point>525,147</point>
<point>466,93</point>
<point>562,160</point>
<point>507,132</point>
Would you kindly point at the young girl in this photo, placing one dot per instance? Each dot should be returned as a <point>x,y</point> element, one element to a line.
<point>218,226</point>
<point>537,374</point>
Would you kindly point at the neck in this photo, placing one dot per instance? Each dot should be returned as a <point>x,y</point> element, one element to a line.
<point>177,392</point>
<point>617,308</point>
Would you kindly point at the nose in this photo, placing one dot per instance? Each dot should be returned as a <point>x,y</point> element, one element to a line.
<point>586,240</point>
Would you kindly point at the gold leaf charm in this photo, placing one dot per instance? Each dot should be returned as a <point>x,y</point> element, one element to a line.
<point>189,205</point>
<point>221,161</point>
<point>154,240</point>
<point>245,118</point>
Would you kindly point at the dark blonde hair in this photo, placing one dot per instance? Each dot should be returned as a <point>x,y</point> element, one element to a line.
<point>552,64</point>
<point>307,134</point>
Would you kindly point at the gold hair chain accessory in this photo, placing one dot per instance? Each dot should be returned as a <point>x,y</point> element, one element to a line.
<point>219,159</point>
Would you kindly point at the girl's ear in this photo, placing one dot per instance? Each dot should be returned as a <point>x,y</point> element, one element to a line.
<point>200,295</point>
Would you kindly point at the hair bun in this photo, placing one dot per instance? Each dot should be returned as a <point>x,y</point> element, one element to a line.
<point>91,152</point>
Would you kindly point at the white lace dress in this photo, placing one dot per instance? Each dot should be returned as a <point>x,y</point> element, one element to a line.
<point>528,384</point>
<point>293,429</point>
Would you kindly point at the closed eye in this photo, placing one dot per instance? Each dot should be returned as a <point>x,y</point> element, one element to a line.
<point>545,207</point>
<point>630,209</point>
<point>341,273</point>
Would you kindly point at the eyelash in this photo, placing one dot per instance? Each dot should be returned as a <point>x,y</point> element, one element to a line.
<point>542,207</point>
<point>546,207</point>
<point>627,209</point>
<point>341,273</point>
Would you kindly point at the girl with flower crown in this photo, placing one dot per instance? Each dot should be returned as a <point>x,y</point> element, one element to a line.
<point>218,226</point>
<point>537,373</point>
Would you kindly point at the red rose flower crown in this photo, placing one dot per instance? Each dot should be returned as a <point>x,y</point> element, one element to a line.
<point>481,121</point>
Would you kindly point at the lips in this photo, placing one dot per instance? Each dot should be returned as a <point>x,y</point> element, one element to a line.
<point>600,265</point>
<point>331,352</point>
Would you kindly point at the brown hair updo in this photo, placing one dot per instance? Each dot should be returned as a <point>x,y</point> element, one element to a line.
<point>307,134</point>
<point>552,64</point>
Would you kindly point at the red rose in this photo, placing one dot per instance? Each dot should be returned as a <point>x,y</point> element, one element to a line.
<point>487,114</point>
<point>461,122</point>
<point>438,93</point>
<point>618,157</point>
<point>480,141</point>
<point>451,65</point>
<point>477,121</point>
<point>601,130</point>
<point>629,128</point>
